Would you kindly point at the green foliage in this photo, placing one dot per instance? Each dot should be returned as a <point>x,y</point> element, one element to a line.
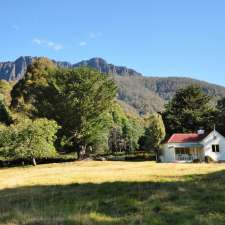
<point>149,94</point>
<point>25,91</point>
<point>154,133</point>
<point>132,131</point>
<point>5,89</point>
<point>77,99</point>
<point>28,139</point>
<point>98,140</point>
<point>219,122</point>
<point>5,116</point>
<point>189,110</point>
<point>4,86</point>
<point>125,131</point>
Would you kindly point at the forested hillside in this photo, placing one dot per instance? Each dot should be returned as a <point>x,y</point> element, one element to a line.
<point>149,94</point>
<point>136,92</point>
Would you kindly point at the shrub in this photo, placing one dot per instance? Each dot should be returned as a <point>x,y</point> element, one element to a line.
<point>196,161</point>
<point>29,140</point>
<point>209,159</point>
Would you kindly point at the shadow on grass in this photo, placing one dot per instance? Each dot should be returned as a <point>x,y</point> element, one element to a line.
<point>21,163</point>
<point>197,200</point>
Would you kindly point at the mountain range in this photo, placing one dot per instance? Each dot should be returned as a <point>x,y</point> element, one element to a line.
<point>136,92</point>
<point>13,71</point>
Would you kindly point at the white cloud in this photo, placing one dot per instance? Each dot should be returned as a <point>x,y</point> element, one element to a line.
<point>92,35</point>
<point>54,46</point>
<point>46,43</point>
<point>83,43</point>
<point>57,47</point>
<point>37,41</point>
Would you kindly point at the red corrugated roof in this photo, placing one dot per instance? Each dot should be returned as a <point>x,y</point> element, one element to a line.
<point>183,138</point>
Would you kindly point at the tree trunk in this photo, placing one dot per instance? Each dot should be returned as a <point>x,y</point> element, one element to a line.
<point>81,153</point>
<point>78,155</point>
<point>34,162</point>
<point>156,155</point>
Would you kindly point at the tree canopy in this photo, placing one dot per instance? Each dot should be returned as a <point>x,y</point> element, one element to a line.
<point>5,116</point>
<point>25,90</point>
<point>189,110</point>
<point>29,140</point>
<point>220,107</point>
<point>77,99</point>
<point>154,133</point>
<point>126,129</point>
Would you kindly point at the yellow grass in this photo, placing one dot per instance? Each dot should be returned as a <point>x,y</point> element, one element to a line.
<point>100,172</point>
<point>107,193</point>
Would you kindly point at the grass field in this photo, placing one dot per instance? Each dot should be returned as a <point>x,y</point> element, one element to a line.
<point>106,193</point>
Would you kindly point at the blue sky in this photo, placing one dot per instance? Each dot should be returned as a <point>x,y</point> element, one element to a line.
<point>155,37</point>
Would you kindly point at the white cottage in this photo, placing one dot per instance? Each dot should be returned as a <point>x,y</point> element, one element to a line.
<point>194,146</point>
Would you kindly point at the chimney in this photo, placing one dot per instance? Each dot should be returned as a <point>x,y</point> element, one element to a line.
<point>201,131</point>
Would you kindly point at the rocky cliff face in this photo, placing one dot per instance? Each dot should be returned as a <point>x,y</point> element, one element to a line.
<point>102,66</point>
<point>13,71</point>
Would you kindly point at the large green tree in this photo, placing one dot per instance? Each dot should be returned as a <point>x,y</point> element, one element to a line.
<point>34,83</point>
<point>77,99</point>
<point>220,119</point>
<point>189,110</point>
<point>154,133</point>
<point>126,129</point>
<point>28,140</point>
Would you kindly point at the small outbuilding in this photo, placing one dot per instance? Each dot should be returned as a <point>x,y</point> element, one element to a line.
<point>191,147</point>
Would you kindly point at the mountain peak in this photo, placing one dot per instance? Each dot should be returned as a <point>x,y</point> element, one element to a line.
<point>104,67</point>
<point>98,60</point>
<point>15,70</point>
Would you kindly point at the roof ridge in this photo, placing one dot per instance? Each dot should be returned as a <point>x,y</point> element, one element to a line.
<point>185,137</point>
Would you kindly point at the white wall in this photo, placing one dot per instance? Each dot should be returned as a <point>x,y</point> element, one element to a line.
<point>218,140</point>
<point>168,153</point>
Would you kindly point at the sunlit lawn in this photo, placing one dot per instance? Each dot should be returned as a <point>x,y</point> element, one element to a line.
<point>113,193</point>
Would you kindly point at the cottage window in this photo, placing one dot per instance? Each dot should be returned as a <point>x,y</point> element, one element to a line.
<point>215,148</point>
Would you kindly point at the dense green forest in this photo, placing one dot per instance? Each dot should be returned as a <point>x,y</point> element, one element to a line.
<point>54,111</point>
